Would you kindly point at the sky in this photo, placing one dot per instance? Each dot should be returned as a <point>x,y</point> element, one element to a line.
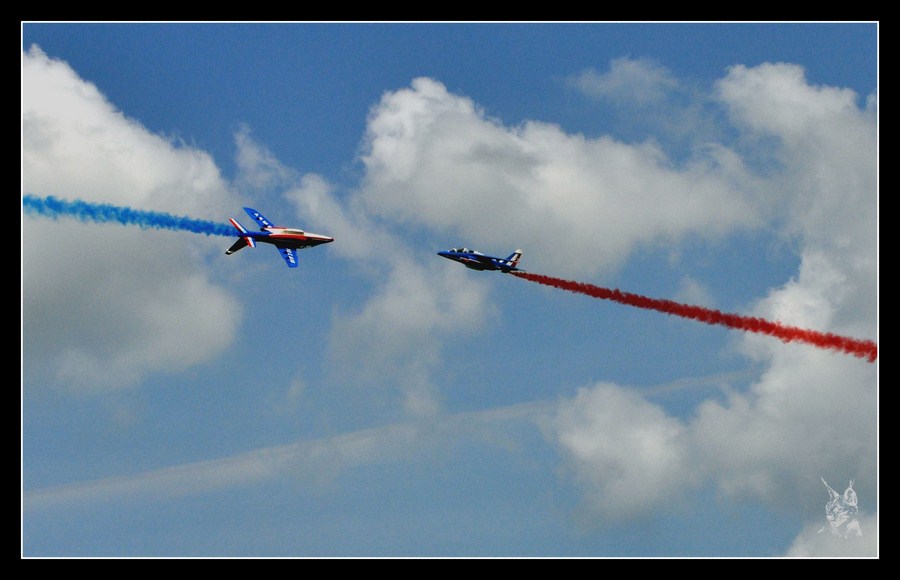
<point>380,401</point>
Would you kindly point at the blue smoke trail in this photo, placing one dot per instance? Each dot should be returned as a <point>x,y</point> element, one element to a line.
<point>105,213</point>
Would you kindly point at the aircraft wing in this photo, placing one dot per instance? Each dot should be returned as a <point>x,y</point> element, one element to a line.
<point>486,260</point>
<point>495,263</point>
<point>290,257</point>
<point>258,217</point>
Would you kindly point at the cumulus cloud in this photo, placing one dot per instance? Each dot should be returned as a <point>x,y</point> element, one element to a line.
<point>776,98</point>
<point>361,239</point>
<point>403,325</point>
<point>826,181</point>
<point>434,158</point>
<point>811,413</point>
<point>645,101</point>
<point>813,542</point>
<point>397,333</point>
<point>258,168</point>
<point>826,152</point>
<point>628,457</point>
<point>692,291</point>
<point>638,81</point>
<point>103,306</point>
<point>95,316</point>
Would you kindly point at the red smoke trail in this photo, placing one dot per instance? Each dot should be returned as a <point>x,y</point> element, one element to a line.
<point>865,349</point>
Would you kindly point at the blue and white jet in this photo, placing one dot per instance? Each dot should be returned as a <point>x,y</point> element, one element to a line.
<point>287,240</point>
<point>477,261</point>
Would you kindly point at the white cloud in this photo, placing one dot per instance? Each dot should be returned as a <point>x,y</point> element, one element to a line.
<point>629,458</point>
<point>692,291</point>
<point>434,158</point>
<point>402,326</point>
<point>776,98</point>
<point>313,462</point>
<point>258,168</point>
<point>629,80</point>
<point>96,316</point>
<point>826,179</point>
<point>827,182</point>
<point>76,144</point>
<point>360,238</point>
<point>812,413</point>
<point>283,401</point>
<point>394,338</point>
<point>104,305</point>
<point>317,460</point>
<point>160,336</point>
<point>812,542</point>
<point>644,100</point>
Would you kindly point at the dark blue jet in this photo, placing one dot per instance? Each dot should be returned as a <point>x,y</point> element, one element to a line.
<point>478,261</point>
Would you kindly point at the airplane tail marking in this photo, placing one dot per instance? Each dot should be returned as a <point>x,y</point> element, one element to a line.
<point>514,258</point>
<point>244,241</point>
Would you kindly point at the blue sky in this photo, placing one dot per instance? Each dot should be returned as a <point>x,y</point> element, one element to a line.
<point>381,401</point>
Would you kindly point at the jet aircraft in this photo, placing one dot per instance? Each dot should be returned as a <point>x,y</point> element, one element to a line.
<point>477,261</point>
<point>287,240</point>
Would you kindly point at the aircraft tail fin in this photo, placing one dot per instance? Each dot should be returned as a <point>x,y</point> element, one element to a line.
<point>243,241</point>
<point>513,259</point>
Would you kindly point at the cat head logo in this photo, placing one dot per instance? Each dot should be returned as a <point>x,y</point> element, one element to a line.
<point>842,511</point>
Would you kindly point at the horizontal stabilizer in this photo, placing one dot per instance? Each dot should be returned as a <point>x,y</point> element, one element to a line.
<point>241,243</point>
